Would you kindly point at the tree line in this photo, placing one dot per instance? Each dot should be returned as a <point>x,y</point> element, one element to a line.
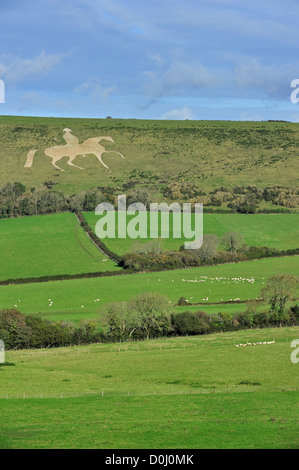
<point>17,201</point>
<point>151,315</point>
<point>151,256</point>
<point>242,199</point>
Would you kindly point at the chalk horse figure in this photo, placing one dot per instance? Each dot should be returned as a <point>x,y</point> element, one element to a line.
<point>73,149</point>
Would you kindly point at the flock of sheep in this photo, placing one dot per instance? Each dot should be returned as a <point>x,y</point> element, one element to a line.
<point>254,344</point>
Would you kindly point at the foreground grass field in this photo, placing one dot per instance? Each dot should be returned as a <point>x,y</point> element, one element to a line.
<point>236,421</point>
<point>47,245</point>
<point>142,395</point>
<point>206,285</point>
<point>280,231</point>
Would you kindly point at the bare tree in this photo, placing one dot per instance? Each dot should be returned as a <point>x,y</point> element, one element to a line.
<point>209,248</point>
<point>232,241</point>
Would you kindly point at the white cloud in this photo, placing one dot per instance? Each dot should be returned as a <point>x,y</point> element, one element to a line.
<point>272,80</point>
<point>180,114</point>
<point>179,78</point>
<point>156,59</point>
<point>94,87</point>
<point>15,70</point>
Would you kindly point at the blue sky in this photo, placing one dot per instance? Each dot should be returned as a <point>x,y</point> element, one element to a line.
<point>150,59</point>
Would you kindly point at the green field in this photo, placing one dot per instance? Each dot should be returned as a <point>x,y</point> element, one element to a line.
<point>280,231</point>
<point>172,393</point>
<point>190,392</point>
<point>47,245</point>
<point>78,296</point>
<point>218,152</point>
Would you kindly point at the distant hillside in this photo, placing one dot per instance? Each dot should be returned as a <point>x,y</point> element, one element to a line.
<point>209,154</point>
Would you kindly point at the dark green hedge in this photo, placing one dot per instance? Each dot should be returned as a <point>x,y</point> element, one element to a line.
<point>110,254</point>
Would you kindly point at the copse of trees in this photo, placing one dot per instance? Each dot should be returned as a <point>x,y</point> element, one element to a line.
<point>17,201</point>
<point>19,331</point>
<point>145,316</point>
<point>243,199</point>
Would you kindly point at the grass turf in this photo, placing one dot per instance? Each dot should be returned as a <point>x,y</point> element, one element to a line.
<point>78,297</point>
<point>227,397</point>
<point>208,153</point>
<point>280,231</point>
<point>48,245</point>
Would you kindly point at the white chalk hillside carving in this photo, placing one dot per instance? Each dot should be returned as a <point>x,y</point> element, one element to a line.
<point>73,149</point>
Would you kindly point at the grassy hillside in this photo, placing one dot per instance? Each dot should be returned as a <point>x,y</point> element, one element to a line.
<point>71,297</point>
<point>188,392</point>
<point>280,231</point>
<point>209,153</point>
<point>47,245</point>
<point>143,395</point>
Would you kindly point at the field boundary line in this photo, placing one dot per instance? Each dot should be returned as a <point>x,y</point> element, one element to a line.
<point>135,346</point>
<point>121,272</point>
<point>127,393</point>
<point>97,246</point>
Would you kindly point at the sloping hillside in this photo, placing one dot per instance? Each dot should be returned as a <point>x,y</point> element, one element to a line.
<point>156,153</point>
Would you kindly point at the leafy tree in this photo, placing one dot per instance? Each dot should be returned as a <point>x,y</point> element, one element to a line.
<point>191,323</point>
<point>182,301</point>
<point>116,318</point>
<point>278,290</point>
<point>247,204</point>
<point>14,322</point>
<point>89,327</point>
<point>153,311</point>
<point>294,315</point>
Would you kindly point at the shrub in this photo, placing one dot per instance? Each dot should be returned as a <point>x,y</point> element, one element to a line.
<point>191,323</point>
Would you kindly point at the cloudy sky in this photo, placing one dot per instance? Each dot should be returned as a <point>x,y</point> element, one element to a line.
<point>150,59</point>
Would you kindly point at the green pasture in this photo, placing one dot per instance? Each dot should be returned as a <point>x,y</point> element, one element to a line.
<point>145,367</point>
<point>280,231</point>
<point>47,245</point>
<point>261,420</point>
<point>199,285</point>
<point>191,392</point>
